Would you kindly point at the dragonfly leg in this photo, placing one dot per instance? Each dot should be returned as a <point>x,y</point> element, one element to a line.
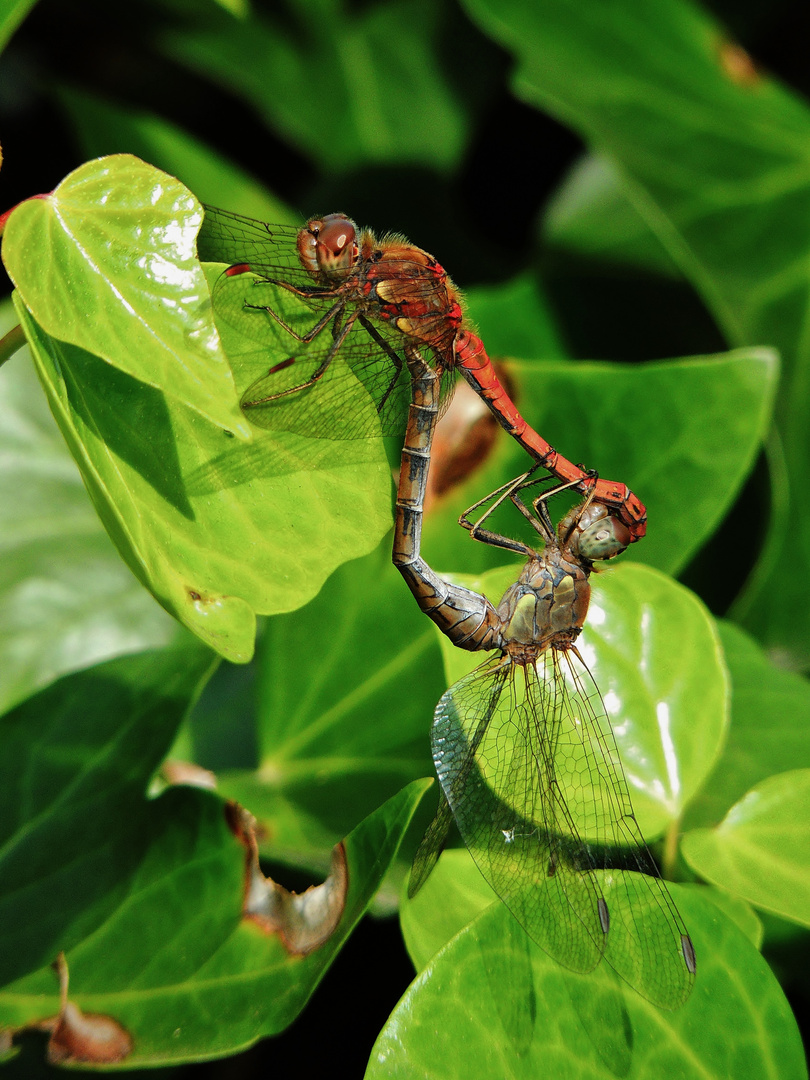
<point>539,519</point>
<point>486,536</point>
<point>310,335</point>
<point>393,356</point>
<point>314,377</point>
<point>541,509</point>
<point>507,489</point>
<point>307,292</point>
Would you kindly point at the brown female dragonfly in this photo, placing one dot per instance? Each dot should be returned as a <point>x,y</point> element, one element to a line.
<point>523,746</point>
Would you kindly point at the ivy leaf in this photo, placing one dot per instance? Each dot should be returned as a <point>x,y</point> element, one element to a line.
<point>107,263</point>
<point>198,514</point>
<point>145,895</point>
<point>760,850</point>
<point>376,69</point>
<point>66,599</point>
<point>489,1005</point>
<point>770,711</point>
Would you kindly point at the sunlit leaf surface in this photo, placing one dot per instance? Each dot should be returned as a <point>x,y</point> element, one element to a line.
<point>490,1005</point>
<point>760,850</point>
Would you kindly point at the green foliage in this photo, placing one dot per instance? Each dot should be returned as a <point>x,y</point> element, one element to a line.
<point>696,175</point>
<point>174,464</point>
<point>150,890</point>
<point>348,730</point>
<point>342,86</point>
<point>715,163</point>
<point>457,1020</point>
<point>756,848</point>
<point>66,600</point>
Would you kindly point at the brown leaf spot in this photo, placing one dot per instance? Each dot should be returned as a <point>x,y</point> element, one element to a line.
<point>202,600</point>
<point>302,921</point>
<point>738,64</point>
<point>188,774</point>
<point>87,1037</point>
<point>80,1038</point>
<point>242,824</point>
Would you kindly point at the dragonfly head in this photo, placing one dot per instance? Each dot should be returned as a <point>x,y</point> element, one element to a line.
<point>327,247</point>
<point>593,533</point>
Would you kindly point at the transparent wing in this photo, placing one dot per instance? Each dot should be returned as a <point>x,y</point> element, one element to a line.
<point>269,359</point>
<point>286,336</point>
<point>530,769</point>
<point>269,250</point>
<point>430,847</point>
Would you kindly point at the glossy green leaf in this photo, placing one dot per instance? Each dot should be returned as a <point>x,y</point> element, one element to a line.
<point>145,895</point>
<point>740,913</point>
<point>107,263</point>
<point>177,966</point>
<point>717,164</point>
<point>654,653</point>
<point>375,70</point>
<point>66,599</point>
<point>474,1012</point>
<point>453,896</point>
<point>592,215</point>
<point>770,713</point>
<point>77,758</point>
<point>13,13</point>
<point>637,424</point>
<point>761,850</point>
<point>201,517</point>
<point>700,147</point>
<point>351,726</point>
<point>104,128</point>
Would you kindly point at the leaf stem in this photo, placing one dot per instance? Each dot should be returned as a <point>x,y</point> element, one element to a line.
<point>669,856</point>
<point>10,343</point>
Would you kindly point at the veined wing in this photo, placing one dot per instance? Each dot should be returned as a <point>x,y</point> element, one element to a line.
<point>270,250</point>
<point>360,393</point>
<point>529,766</point>
<point>269,359</point>
<point>431,846</point>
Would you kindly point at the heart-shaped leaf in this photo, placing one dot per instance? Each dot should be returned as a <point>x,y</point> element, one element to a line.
<point>760,850</point>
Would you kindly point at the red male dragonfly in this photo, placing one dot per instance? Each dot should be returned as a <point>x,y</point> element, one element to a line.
<point>523,746</point>
<point>375,296</point>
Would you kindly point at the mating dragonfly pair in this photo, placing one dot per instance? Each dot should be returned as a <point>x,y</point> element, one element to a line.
<point>528,766</point>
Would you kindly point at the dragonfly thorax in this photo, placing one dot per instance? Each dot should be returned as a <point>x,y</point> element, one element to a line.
<point>546,607</point>
<point>415,294</point>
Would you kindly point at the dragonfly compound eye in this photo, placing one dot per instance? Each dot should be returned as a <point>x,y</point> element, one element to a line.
<point>328,245</point>
<point>604,539</point>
